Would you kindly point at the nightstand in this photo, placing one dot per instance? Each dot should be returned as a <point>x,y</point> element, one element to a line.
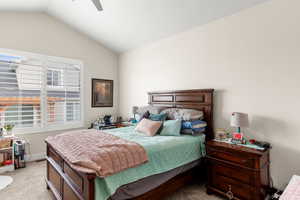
<point>111,126</point>
<point>237,172</point>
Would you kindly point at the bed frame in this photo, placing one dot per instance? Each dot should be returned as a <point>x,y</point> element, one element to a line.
<point>66,183</point>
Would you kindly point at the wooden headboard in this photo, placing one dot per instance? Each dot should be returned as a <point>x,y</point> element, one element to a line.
<point>200,99</point>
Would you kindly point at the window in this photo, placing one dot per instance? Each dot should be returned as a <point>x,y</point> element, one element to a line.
<point>54,78</point>
<point>39,93</point>
<point>72,112</point>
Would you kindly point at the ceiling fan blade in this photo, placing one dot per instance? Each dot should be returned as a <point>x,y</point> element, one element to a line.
<point>98,5</point>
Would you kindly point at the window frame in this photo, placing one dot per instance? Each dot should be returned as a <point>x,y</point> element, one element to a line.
<point>44,59</point>
<point>61,80</point>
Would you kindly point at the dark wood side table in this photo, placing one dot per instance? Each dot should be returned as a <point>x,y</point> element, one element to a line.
<point>237,172</point>
<point>111,126</point>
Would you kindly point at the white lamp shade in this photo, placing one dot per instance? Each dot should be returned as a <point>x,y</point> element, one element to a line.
<point>239,120</point>
<point>135,109</point>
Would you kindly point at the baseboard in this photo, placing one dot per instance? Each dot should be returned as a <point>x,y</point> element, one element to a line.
<point>28,158</point>
<point>9,168</point>
<point>35,157</point>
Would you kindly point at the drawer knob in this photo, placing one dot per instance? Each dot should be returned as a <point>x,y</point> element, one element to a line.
<point>229,194</point>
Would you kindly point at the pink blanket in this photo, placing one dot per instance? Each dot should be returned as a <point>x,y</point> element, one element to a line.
<point>92,151</point>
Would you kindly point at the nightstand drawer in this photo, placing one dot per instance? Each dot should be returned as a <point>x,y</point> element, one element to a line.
<point>238,189</point>
<point>238,174</point>
<point>240,159</point>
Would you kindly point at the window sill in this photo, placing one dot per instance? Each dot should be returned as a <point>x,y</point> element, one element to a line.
<point>50,129</point>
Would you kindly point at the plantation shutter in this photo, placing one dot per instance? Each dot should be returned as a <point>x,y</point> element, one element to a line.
<point>40,94</point>
<point>20,91</point>
<point>63,93</point>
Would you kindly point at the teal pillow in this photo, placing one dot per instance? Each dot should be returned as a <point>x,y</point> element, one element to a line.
<point>158,117</point>
<point>171,128</point>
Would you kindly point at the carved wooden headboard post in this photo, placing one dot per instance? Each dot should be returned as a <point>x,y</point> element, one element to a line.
<point>199,99</point>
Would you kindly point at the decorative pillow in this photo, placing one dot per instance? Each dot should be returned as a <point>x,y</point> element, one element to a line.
<point>184,114</point>
<point>192,127</point>
<point>171,128</point>
<point>191,132</point>
<point>193,124</point>
<point>148,127</point>
<point>152,109</point>
<point>145,115</point>
<point>158,117</point>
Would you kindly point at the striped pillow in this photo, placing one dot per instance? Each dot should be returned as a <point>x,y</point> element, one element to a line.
<point>197,126</point>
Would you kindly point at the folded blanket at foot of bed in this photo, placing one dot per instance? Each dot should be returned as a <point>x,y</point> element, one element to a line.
<point>92,151</point>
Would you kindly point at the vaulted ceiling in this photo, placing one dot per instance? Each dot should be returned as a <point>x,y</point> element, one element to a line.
<point>128,24</point>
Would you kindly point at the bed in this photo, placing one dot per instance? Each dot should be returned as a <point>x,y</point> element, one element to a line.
<point>153,180</point>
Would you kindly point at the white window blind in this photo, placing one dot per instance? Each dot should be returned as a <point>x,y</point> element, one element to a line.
<point>39,93</point>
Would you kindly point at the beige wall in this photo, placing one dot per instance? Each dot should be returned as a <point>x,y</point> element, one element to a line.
<point>40,33</point>
<point>252,59</point>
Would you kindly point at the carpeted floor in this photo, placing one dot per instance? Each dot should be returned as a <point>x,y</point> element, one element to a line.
<point>29,184</point>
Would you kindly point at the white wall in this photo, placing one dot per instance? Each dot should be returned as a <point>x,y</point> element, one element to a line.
<point>252,59</point>
<point>40,33</point>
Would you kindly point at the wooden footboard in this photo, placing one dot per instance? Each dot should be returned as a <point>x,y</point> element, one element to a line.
<point>65,182</point>
<point>68,184</point>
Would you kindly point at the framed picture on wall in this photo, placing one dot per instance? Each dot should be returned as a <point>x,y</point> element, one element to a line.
<point>102,93</point>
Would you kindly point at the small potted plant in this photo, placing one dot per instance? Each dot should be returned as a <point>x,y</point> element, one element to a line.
<point>8,129</point>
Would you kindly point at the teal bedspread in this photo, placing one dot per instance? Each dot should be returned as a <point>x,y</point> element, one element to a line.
<point>164,153</point>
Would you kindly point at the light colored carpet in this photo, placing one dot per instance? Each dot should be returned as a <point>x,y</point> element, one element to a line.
<point>29,184</point>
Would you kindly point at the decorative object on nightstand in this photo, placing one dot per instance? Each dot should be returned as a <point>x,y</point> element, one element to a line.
<point>238,120</point>
<point>221,134</point>
<point>103,126</point>
<point>237,172</point>
<point>107,120</point>
<point>134,111</point>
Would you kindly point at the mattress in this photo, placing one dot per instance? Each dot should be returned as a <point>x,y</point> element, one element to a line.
<point>165,153</point>
<point>139,187</point>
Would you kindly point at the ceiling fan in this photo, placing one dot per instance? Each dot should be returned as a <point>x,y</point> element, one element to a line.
<point>98,5</point>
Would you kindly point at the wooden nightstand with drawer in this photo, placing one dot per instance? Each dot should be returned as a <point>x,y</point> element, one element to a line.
<point>237,172</point>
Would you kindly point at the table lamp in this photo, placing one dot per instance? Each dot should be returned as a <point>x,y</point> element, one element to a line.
<point>239,120</point>
<point>134,111</point>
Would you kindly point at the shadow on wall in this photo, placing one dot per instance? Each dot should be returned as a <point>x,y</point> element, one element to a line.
<point>265,127</point>
<point>284,158</point>
<point>285,162</point>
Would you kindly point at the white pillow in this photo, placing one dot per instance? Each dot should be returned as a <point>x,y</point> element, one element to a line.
<point>184,114</point>
<point>152,109</point>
